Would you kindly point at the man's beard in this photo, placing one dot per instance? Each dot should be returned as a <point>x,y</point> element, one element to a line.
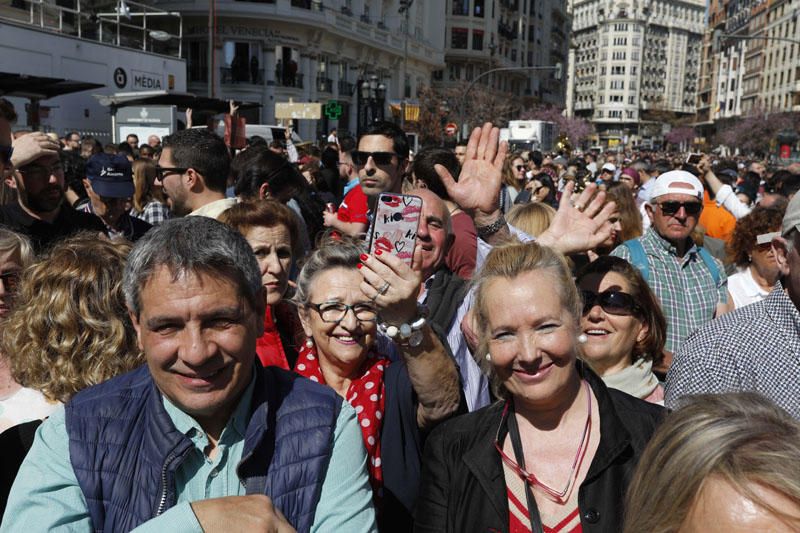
<point>44,202</point>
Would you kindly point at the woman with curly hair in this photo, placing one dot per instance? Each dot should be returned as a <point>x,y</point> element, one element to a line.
<point>70,327</point>
<point>750,249</point>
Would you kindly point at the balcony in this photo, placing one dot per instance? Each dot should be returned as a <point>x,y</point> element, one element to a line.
<point>324,85</point>
<point>286,79</point>
<point>346,88</point>
<point>235,76</point>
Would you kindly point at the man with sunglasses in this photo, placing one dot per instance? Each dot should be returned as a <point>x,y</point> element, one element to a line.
<point>109,185</point>
<point>33,168</point>
<point>193,171</point>
<point>690,284</point>
<point>754,348</point>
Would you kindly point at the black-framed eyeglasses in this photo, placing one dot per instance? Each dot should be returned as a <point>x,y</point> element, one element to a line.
<point>611,301</point>
<point>672,207</point>
<point>334,312</point>
<point>380,158</point>
<point>5,153</point>
<point>161,172</point>
<point>10,280</point>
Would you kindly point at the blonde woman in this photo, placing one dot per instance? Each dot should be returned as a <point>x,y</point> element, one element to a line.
<point>556,434</point>
<point>533,218</point>
<point>147,202</point>
<point>728,462</point>
<point>70,327</point>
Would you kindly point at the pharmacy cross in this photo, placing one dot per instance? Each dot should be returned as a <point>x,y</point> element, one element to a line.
<point>332,110</point>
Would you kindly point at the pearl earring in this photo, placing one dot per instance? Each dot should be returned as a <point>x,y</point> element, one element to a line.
<point>582,338</point>
<point>488,357</point>
<point>309,343</point>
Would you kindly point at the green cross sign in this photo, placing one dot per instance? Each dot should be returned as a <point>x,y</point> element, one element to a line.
<point>333,110</point>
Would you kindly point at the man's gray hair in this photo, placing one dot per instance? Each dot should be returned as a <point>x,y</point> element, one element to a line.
<point>197,245</point>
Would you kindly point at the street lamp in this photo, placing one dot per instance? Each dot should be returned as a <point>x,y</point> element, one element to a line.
<point>372,95</point>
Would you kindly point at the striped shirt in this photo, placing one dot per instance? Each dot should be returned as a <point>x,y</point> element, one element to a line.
<point>684,286</point>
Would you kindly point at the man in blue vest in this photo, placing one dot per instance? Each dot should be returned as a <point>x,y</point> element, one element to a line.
<point>201,438</point>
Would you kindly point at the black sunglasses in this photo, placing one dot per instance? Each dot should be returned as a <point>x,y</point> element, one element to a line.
<point>520,168</point>
<point>612,302</point>
<point>163,171</point>
<point>5,153</point>
<point>670,208</point>
<point>380,158</point>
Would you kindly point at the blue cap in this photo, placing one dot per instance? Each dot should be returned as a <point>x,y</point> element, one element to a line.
<point>110,175</point>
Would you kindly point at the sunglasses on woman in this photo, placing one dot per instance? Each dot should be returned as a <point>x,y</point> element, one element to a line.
<point>611,301</point>
<point>380,158</point>
<point>670,208</point>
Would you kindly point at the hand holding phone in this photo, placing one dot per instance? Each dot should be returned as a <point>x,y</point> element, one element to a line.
<point>693,159</point>
<point>395,225</point>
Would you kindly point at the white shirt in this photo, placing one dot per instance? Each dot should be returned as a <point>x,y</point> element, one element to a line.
<point>744,289</point>
<point>23,406</point>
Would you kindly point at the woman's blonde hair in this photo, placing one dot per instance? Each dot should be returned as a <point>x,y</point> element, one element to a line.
<point>741,438</point>
<point>144,175</point>
<point>11,241</point>
<point>70,327</point>
<point>509,174</point>
<point>509,261</point>
<point>533,218</point>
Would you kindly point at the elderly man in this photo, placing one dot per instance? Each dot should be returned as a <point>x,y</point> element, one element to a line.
<point>201,438</point>
<point>154,141</point>
<point>193,171</point>
<point>754,348</point>
<point>691,285</point>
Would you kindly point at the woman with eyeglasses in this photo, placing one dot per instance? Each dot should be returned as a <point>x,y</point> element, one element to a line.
<point>750,249</point>
<point>557,451</point>
<point>350,304</point>
<point>623,326</point>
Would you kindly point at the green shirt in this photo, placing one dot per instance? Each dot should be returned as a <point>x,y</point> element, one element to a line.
<point>46,495</point>
<point>683,285</point>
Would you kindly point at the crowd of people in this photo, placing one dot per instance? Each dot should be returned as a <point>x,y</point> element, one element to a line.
<point>198,338</point>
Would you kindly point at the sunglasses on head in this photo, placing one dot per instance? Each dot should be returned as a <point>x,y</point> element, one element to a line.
<point>670,208</point>
<point>612,302</point>
<point>5,154</point>
<point>379,158</point>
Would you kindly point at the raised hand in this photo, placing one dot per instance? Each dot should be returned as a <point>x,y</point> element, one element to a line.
<point>31,147</point>
<point>478,188</point>
<point>392,285</point>
<point>581,222</point>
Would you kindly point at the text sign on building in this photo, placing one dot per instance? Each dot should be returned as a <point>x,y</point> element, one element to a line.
<point>147,81</point>
<point>306,110</point>
<point>145,121</point>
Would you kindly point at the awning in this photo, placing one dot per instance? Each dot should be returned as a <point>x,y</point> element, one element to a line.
<point>412,111</point>
<point>40,88</point>
<point>181,100</point>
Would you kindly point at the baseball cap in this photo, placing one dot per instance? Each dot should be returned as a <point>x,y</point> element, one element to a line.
<point>791,220</point>
<point>110,175</point>
<point>610,167</point>
<point>677,182</point>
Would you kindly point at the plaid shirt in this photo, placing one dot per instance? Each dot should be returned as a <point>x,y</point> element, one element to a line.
<point>684,286</point>
<point>754,348</point>
<point>153,213</point>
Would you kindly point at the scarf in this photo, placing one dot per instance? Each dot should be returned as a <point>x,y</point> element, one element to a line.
<point>366,394</point>
<point>637,380</point>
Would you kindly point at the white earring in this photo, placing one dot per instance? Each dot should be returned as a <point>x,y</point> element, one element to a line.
<point>309,343</point>
<point>488,357</point>
<point>582,338</point>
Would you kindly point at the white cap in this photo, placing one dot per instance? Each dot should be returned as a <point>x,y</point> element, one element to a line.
<point>677,182</point>
<point>609,166</point>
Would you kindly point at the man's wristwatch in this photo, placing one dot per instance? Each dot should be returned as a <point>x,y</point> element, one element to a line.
<point>491,229</point>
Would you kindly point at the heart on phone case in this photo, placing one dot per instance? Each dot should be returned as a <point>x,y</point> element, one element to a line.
<point>399,245</point>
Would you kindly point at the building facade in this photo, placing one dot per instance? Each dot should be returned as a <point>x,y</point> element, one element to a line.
<point>281,51</point>
<point>633,64</point>
<point>482,35</point>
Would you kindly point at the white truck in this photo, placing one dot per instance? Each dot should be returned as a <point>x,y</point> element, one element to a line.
<point>525,135</point>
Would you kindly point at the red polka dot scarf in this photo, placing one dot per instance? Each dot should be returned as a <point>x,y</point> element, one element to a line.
<point>366,395</point>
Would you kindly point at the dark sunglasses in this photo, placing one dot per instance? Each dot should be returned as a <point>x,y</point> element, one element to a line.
<point>10,280</point>
<point>163,171</point>
<point>380,158</point>
<point>5,154</point>
<point>520,168</point>
<point>612,302</point>
<point>670,208</point>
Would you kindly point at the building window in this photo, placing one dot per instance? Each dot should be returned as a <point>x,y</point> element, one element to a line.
<point>461,7</point>
<point>196,55</point>
<point>478,11</point>
<point>477,39</point>
<point>458,38</point>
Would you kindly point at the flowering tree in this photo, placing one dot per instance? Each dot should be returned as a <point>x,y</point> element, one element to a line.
<point>753,133</point>
<point>681,136</point>
<point>576,130</point>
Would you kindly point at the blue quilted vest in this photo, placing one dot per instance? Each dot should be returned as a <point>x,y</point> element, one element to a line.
<point>125,450</point>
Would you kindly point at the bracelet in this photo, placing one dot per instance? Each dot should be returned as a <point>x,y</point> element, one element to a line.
<point>406,334</point>
<point>491,229</point>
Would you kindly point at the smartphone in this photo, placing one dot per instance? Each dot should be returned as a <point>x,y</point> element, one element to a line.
<point>395,225</point>
<point>693,159</point>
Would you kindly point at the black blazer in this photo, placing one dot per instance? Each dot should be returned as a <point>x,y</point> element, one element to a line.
<point>463,488</point>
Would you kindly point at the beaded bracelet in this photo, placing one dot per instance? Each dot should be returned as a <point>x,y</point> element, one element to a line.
<point>410,334</point>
